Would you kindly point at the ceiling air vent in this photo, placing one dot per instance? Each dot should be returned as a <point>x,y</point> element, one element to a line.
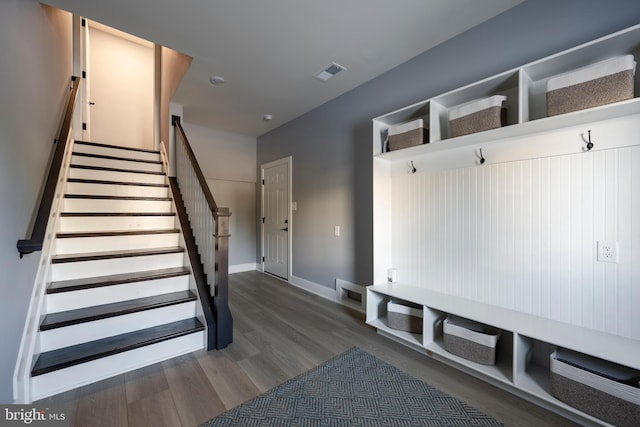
<point>329,72</point>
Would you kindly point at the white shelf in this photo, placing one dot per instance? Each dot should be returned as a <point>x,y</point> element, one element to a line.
<point>383,324</point>
<point>501,371</point>
<point>525,88</point>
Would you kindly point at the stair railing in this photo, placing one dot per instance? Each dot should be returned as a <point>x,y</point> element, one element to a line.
<point>209,225</point>
<point>35,242</point>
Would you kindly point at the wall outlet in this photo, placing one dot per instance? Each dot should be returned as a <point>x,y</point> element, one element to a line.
<point>607,251</point>
<point>336,230</point>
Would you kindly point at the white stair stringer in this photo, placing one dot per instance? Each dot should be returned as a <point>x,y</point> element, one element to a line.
<point>121,294</point>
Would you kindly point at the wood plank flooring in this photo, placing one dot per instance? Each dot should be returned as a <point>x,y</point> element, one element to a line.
<point>279,332</point>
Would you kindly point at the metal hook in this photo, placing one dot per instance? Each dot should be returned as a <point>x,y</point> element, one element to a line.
<point>482,159</point>
<point>413,168</point>
<point>588,141</point>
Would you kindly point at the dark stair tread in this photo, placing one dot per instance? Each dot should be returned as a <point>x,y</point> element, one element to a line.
<point>115,279</point>
<point>74,355</point>
<point>89,314</point>
<point>107,182</point>
<point>102,168</point>
<point>118,233</point>
<point>101,197</point>
<point>76,214</point>
<point>125,159</point>
<point>94,256</point>
<point>119,147</point>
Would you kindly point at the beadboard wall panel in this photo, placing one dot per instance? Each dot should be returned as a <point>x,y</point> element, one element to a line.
<point>522,235</point>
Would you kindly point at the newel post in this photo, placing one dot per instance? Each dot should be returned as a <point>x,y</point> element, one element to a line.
<point>224,321</point>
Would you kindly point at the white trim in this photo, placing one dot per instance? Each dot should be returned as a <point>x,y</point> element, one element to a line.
<point>314,288</point>
<point>241,268</point>
<point>289,162</point>
<point>29,343</point>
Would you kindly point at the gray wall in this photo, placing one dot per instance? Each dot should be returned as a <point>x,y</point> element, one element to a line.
<point>35,47</point>
<point>228,163</point>
<point>331,145</point>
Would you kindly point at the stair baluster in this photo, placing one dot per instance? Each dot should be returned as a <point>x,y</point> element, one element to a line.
<point>210,226</point>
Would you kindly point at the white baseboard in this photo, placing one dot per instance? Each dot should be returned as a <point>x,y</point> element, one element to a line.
<point>313,287</point>
<point>241,268</point>
<point>338,294</point>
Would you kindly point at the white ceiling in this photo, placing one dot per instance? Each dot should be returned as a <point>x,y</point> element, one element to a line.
<point>268,50</point>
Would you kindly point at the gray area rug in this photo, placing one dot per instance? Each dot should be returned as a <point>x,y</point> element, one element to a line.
<point>354,389</point>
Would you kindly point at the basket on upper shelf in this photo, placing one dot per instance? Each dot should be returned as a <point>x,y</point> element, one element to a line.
<point>478,115</point>
<point>407,135</point>
<point>597,84</point>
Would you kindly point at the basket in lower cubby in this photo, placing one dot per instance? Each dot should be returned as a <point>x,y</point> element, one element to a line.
<point>404,316</point>
<point>599,388</point>
<point>471,340</point>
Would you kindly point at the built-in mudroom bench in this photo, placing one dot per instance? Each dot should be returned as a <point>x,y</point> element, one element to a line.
<point>506,230</point>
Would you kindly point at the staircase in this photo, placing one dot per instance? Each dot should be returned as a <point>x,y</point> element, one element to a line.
<point>120,295</point>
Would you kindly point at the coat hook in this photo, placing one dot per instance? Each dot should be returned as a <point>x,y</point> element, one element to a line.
<point>413,168</point>
<point>482,159</point>
<point>588,141</point>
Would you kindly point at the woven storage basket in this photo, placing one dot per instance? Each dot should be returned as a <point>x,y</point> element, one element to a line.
<point>602,392</point>
<point>470,340</point>
<point>408,135</point>
<point>477,116</point>
<point>404,317</point>
<point>591,86</point>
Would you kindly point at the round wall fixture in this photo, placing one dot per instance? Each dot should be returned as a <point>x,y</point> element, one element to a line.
<point>216,80</point>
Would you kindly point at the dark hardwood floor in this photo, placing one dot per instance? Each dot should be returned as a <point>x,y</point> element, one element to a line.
<point>279,332</point>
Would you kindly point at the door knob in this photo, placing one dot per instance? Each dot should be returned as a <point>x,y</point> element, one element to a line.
<point>285,229</point>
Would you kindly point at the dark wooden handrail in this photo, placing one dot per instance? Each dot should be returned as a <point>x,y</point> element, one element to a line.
<point>196,167</point>
<point>44,210</point>
<point>220,329</point>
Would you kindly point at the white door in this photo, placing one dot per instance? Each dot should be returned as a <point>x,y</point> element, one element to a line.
<point>120,77</point>
<point>276,218</point>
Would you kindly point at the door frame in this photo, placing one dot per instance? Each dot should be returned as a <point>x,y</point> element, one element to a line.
<point>288,161</point>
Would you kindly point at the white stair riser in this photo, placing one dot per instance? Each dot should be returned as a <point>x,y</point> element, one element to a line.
<point>117,152</point>
<point>75,376</point>
<point>79,245</point>
<point>116,190</point>
<point>107,205</point>
<point>105,267</point>
<point>73,300</point>
<point>116,163</point>
<point>116,176</point>
<point>115,223</point>
<point>77,334</point>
